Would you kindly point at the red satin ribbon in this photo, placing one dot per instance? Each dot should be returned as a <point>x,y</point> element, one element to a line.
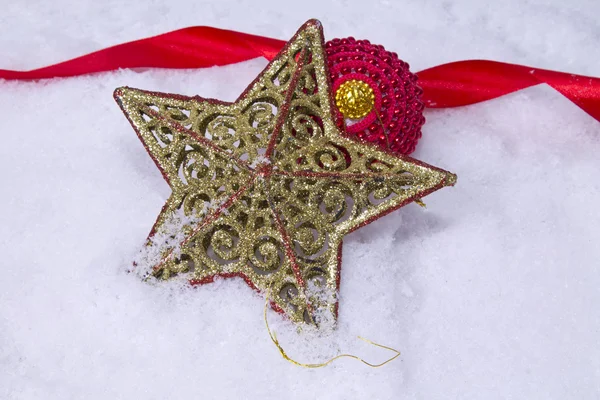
<point>466,82</point>
<point>448,85</point>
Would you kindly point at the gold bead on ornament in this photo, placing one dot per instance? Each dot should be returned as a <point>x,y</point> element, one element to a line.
<point>354,99</point>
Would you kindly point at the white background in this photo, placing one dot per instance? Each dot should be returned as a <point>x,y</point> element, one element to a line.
<point>492,292</point>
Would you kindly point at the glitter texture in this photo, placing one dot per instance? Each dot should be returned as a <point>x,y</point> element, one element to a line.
<point>269,184</point>
<point>354,99</point>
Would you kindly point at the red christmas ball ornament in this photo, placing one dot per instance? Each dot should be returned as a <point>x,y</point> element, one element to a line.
<point>376,96</point>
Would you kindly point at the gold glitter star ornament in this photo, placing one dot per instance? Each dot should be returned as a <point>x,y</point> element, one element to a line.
<point>266,187</point>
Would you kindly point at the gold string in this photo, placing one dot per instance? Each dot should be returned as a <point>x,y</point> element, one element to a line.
<point>420,202</point>
<point>323,364</point>
<point>387,138</point>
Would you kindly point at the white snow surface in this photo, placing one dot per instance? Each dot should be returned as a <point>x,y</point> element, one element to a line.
<point>492,292</point>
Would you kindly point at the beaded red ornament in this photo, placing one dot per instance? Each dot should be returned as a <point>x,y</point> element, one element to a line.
<point>396,118</point>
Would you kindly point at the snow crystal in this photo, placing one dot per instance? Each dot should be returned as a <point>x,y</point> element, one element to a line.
<point>167,239</point>
<point>259,160</point>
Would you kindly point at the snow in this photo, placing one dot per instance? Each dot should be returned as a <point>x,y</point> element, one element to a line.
<point>491,292</point>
